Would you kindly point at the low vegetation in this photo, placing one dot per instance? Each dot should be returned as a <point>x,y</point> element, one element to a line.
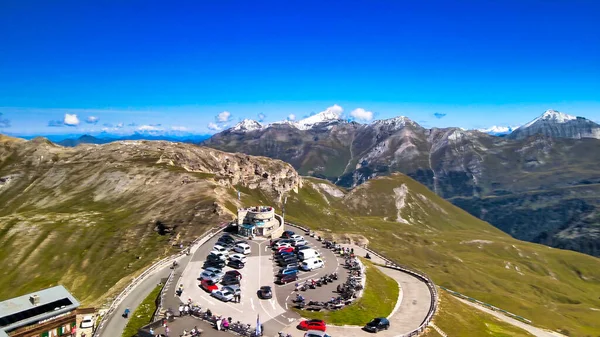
<point>453,316</point>
<point>378,300</point>
<point>143,314</point>
<point>555,289</point>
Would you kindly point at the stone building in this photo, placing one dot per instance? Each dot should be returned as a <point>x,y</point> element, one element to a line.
<point>259,221</point>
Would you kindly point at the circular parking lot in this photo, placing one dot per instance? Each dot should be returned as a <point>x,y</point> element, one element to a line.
<point>213,285</point>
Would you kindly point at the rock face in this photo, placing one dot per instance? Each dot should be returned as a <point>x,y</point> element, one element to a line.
<point>559,125</point>
<point>556,153</point>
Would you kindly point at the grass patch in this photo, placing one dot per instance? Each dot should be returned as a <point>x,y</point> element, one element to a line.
<point>143,313</point>
<point>453,316</point>
<point>378,300</point>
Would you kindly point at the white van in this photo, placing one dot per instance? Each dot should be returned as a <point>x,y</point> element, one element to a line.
<point>308,254</point>
<point>242,248</point>
<point>312,264</point>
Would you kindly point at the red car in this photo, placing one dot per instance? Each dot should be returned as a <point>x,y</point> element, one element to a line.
<point>286,249</point>
<point>287,278</point>
<point>208,285</point>
<point>312,324</point>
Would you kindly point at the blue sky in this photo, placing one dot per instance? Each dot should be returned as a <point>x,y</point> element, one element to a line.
<point>166,66</point>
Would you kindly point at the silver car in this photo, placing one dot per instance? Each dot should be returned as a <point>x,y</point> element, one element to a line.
<point>223,295</point>
<point>215,276</point>
<point>316,333</point>
<point>234,289</point>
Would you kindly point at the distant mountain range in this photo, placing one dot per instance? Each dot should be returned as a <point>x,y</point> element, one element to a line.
<point>88,139</point>
<point>539,183</point>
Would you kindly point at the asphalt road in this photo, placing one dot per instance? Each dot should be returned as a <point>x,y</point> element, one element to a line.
<point>115,324</point>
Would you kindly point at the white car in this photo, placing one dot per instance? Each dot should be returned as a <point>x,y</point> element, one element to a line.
<point>220,248</point>
<point>296,237</point>
<point>87,322</point>
<point>215,276</point>
<point>242,248</point>
<point>221,256</point>
<point>316,333</point>
<point>300,242</point>
<point>214,270</point>
<point>282,245</point>
<point>312,264</point>
<point>223,295</point>
<point>238,257</point>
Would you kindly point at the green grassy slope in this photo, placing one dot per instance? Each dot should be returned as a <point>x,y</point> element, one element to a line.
<point>554,288</point>
<point>453,316</point>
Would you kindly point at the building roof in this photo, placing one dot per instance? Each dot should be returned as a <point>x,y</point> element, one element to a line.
<point>20,311</point>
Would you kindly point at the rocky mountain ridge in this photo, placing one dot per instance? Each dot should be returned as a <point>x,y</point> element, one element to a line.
<point>467,167</point>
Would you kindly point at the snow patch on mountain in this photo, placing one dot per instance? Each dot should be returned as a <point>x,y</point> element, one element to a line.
<point>393,123</point>
<point>331,114</point>
<point>247,125</point>
<point>552,116</point>
<point>498,130</point>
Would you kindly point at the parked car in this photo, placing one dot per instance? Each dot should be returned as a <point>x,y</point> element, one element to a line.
<point>312,324</point>
<point>292,264</point>
<point>283,279</point>
<point>265,293</point>
<point>87,322</point>
<point>234,273</point>
<point>377,324</point>
<point>285,271</point>
<point>312,264</point>
<point>280,245</point>
<point>236,264</point>
<point>287,261</point>
<point>212,275</point>
<point>308,254</point>
<point>219,255</point>
<point>222,295</point>
<point>300,242</point>
<point>316,333</point>
<point>301,248</point>
<point>208,285</point>
<point>228,280</point>
<point>296,237</point>
<point>285,250</point>
<point>226,239</point>
<point>239,257</point>
<point>214,263</point>
<point>287,234</point>
<point>233,289</point>
<point>283,254</point>
<point>242,248</point>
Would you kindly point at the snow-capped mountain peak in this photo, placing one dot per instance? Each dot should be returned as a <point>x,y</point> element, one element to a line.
<point>394,123</point>
<point>498,130</point>
<point>329,115</point>
<point>247,125</point>
<point>552,116</point>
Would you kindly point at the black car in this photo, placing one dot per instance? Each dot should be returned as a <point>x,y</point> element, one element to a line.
<point>377,324</point>
<point>299,248</point>
<point>287,262</point>
<point>230,280</point>
<point>211,257</point>
<point>265,293</point>
<point>226,241</point>
<point>214,263</point>
<point>287,278</point>
<point>287,234</point>
<point>236,264</point>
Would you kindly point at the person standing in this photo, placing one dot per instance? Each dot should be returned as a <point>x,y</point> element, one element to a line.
<point>167,331</point>
<point>180,310</point>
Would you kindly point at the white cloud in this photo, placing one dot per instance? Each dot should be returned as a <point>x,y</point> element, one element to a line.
<point>335,109</point>
<point>146,128</point>
<point>71,120</point>
<point>119,126</point>
<point>362,114</point>
<point>213,126</point>
<point>92,120</point>
<point>179,128</point>
<point>261,117</point>
<point>223,116</point>
<point>291,117</point>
